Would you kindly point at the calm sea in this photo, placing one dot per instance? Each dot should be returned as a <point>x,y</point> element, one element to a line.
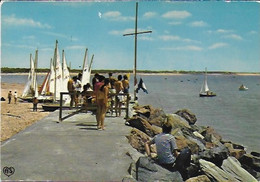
<point>232,113</point>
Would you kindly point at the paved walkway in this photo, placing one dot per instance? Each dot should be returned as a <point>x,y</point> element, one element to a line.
<point>72,150</point>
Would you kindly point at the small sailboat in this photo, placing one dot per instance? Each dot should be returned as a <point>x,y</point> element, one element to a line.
<point>205,92</point>
<point>243,88</point>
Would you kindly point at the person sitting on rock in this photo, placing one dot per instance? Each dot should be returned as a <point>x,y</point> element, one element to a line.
<point>167,152</point>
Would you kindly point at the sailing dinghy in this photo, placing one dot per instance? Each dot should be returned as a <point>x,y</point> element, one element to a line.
<point>205,92</point>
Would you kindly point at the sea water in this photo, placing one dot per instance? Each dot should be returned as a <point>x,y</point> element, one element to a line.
<point>234,114</point>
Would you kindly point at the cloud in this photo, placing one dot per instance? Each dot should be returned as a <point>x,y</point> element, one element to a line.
<point>116,16</point>
<point>233,36</point>
<point>174,23</point>
<point>220,31</point>
<point>12,20</point>
<point>198,24</point>
<point>75,47</point>
<point>218,45</point>
<point>183,48</point>
<point>122,32</point>
<point>176,14</point>
<point>149,15</point>
<point>169,37</point>
<point>18,46</point>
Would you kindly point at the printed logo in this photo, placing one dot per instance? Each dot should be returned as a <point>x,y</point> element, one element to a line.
<point>8,171</point>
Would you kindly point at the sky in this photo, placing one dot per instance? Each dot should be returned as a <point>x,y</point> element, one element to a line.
<point>189,36</point>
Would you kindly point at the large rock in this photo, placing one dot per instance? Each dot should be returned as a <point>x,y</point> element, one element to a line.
<point>187,115</point>
<point>215,155</point>
<point>148,170</point>
<point>177,121</point>
<point>183,142</point>
<point>143,125</point>
<point>137,139</point>
<point>201,178</point>
<point>251,163</point>
<point>214,172</point>
<point>232,166</point>
<point>210,135</point>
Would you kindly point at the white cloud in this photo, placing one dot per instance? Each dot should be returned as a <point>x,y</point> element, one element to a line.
<point>12,20</point>
<point>198,24</point>
<point>122,32</point>
<point>169,37</point>
<point>31,37</point>
<point>233,36</point>
<point>75,47</point>
<point>174,23</point>
<point>218,45</point>
<point>150,14</point>
<point>116,16</point>
<point>176,14</point>
<point>220,31</point>
<point>18,46</point>
<point>253,32</point>
<point>183,48</point>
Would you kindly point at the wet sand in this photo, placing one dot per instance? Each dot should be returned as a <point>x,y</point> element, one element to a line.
<point>16,117</point>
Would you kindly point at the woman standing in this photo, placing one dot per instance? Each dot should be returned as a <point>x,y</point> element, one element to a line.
<point>102,104</point>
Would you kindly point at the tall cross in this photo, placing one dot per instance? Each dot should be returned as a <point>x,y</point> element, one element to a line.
<point>135,34</point>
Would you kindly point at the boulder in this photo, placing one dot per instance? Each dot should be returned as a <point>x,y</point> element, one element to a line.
<point>177,121</point>
<point>210,135</point>
<point>252,164</point>
<point>143,110</point>
<point>137,139</point>
<point>148,170</point>
<point>201,178</point>
<point>183,142</point>
<point>232,166</point>
<point>215,155</point>
<point>214,172</point>
<point>187,115</point>
<point>143,125</point>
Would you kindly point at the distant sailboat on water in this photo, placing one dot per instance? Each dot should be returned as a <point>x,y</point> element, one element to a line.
<point>205,92</point>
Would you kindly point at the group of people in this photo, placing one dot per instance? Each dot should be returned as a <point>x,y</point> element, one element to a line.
<point>10,97</point>
<point>98,93</point>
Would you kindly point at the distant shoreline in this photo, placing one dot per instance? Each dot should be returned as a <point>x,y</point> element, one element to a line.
<point>155,73</point>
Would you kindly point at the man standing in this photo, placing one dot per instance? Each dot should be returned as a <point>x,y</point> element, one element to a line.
<point>71,90</point>
<point>9,97</point>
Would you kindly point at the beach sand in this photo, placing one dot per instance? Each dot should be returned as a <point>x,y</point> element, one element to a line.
<point>16,117</point>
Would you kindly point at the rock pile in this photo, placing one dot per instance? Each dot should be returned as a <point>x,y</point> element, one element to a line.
<point>213,159</point>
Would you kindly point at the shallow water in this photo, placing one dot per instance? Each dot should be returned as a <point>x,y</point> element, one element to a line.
<point>234,114</point>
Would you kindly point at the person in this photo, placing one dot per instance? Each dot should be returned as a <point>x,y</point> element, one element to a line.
<point>119,99</point>
<point>95,80</point>
<point>15,97</point>
<point>87,94</point>
<point>72,92</point>
<point>112,90</point>
<point>9,97</point>
<point>167,151</point>
<point>77,86</point>
<point>102,104</point>
<point>35,102</point>
<point>125,84</point>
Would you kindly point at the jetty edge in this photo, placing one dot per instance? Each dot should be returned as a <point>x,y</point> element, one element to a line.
<point>213,158</point>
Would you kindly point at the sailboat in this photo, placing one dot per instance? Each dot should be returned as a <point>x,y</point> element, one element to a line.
<point>31,87</point>
<point>86,71</point>
<point>205,92</point>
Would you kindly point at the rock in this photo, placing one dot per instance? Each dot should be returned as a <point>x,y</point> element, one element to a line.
<point>215,155</point>
<point>214,172</point>
<point>148,170</point>
<point>143,125</point>
<point>128,179</point>
<point>201,178</point>
<point>210,135</point>
<point>137,139</point>
<point>183,142</point>
<point>2,99</point>
<point>232,166</point>
<point>187,115</point>
<point>177,121</point>
<point>143,110</point>
<point>252,164</point>
<point>237,153</point>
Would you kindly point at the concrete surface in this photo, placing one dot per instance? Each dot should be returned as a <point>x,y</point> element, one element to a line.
<point>73,150</point>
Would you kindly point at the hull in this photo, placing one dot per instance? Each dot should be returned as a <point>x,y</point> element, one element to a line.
<point>50,107</point>
<point>207,95</point>
<point>30,99</point>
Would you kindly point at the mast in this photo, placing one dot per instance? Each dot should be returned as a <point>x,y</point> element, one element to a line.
<point>135,54</point>
<point>35,74</point>
<point>54,65</point>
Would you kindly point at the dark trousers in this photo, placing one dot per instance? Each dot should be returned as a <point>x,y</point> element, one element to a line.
<point>182,162</point>
<point>34,107</point>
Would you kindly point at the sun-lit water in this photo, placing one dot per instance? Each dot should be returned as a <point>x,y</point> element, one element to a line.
<point>234,114</point>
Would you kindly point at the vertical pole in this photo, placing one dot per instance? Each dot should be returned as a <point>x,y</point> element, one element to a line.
<point>136,14</point>
<point>60,115</point>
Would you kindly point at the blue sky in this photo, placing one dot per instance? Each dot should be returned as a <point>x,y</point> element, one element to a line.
<point>222,36</point>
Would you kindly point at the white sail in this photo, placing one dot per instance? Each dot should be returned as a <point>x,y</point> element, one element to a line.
<point>205,87</point>
<point>85,71</point>
<point>52,79</point>
<point>58,73</point>
<point>65,73</point>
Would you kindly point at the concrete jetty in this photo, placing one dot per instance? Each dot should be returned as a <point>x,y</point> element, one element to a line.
<point>73,150</point>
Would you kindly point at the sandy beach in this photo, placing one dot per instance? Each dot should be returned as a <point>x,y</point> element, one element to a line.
<point>16,117</point>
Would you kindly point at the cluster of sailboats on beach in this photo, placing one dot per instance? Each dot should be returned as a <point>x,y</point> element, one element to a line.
<point>56,79</point>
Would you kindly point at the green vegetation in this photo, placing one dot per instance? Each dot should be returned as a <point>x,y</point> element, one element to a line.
<point>45,70</point>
